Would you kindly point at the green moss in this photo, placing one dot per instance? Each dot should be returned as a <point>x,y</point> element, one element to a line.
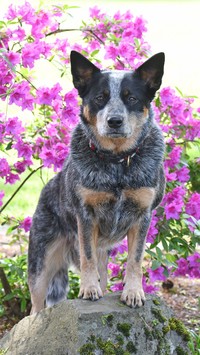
<point>178,326</point>
<point>158,314</point>
<point>166,329</point>
<point>156,302</point>
<point>154,322</point>
<point>181,351</point>
<point>130,346</point>
<point>87,349</point>
<point>120,339</point>
<point>147,332</point>
<point>157,334</point>
<point>92,338</point>
<point>107,320</point>
<point>107,347</point>
<point>124,328</point>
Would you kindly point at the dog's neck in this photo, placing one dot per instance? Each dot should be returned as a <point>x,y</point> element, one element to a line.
<point>122,158</point>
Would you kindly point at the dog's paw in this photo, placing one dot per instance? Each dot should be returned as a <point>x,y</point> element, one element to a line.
<point>133,297</point>
<point>92,292</point>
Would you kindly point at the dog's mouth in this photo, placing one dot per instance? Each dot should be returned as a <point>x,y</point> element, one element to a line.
<point>116,134</point>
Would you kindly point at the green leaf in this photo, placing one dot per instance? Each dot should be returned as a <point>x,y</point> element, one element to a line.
<point>11,229</point>
<point>23,305</point>
<point>9,145</point>
<point>2,24</point>
<point>155,264</point>
<point>159,253</point>
<point>171,258</point>
<point>9,297</point>
<point>152,253</point>
<point>94,52</point>
<point>165,245</point>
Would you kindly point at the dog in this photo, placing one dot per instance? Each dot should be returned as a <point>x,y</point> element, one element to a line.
<point>110,183</point>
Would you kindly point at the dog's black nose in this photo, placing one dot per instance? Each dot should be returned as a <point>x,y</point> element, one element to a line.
<point>115,121</point>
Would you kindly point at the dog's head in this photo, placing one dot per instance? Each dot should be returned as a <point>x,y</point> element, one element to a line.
<point>116,103</point>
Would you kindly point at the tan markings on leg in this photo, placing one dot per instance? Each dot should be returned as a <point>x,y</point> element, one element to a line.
<point>89,118</point>
<point>133,294</point>
<point>94,198</point>
<point>145,113</point>
<point>102,259</point>
<point>144,196</point>
<point>38,292</point>
<point>90,286</point>
<point>54,260</point>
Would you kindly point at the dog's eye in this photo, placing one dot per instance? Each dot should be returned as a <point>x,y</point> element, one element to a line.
<point>99,99</point>
<point>132,100</point>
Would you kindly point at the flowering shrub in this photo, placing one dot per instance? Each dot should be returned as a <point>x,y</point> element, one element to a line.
<point>29,35</point>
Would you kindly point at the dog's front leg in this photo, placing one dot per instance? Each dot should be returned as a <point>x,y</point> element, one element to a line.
<point>90,280</point>
<point>133,294</point>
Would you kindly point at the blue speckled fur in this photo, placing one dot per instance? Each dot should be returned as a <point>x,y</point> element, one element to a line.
<point>93,203</point>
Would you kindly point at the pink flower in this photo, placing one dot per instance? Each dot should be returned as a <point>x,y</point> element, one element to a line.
<point>2,194</point>
<point>182,269</point>
<point>95,12</point>
<point>13,58</point>
<point>167,97</point>
<point>174,157</point>
<point>14,127</point>
<point>21,166</point>
<point>175,196</point>
<point>193,205</point>
<point>17,35</point>
<point>173,210</point>
<point>33,51</point>
<point>148,288</point>
<point>194,260</point>
<point>169,176</point>
<point>24,149</point>
<point>120,248</point>
<point>183,174</point>
<point>111,52</point>
<point>153,231</point>
<point>45,96</point>
<point>26,224</point>
<point>42,24</point>
<point>12,178</point>
<point>156,274</point>
<point>188,267</point>
<point>21,95</point>
<point>117,287</point>
<point>114,268</point>
<point>4,167</point>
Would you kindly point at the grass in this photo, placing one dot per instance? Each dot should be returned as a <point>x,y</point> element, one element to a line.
<point>24,203</point>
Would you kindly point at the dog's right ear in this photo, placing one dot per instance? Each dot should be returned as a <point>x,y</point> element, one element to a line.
<point>82,71</point>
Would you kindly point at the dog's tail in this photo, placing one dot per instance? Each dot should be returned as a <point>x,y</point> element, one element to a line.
<point>58,288</point>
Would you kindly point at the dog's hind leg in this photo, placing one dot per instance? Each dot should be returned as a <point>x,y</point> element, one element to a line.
<point>58,288</point>
<point>47,274</point>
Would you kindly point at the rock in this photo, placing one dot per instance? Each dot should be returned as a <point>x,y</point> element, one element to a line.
<point>104,327</point>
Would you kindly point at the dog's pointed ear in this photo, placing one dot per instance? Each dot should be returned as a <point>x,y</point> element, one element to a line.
<point>82,71</point>
<point>152,71</point>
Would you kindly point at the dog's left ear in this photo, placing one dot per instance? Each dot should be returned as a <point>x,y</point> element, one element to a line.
<point>152,71</point>
<point>82,71</point>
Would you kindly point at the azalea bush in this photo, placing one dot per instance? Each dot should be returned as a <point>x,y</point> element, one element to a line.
<point>38,135</point>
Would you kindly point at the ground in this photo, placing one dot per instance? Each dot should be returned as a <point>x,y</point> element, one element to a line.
<point>183,297</point>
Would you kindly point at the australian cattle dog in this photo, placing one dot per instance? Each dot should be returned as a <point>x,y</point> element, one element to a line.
<point>111,181</point>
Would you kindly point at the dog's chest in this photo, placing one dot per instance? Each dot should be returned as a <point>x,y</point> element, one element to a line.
<point>117,211</point>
